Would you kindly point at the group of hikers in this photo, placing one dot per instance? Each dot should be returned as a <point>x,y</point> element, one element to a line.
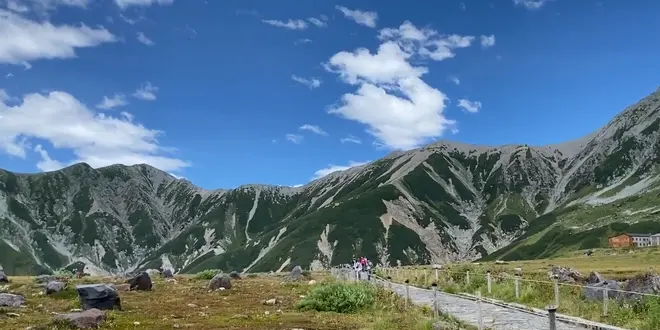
<point>362,267</point>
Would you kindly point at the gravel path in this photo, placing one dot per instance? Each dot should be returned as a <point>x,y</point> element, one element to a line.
<point>493,316</point>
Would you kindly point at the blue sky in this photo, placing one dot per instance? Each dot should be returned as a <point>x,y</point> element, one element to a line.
<point>232,92</point>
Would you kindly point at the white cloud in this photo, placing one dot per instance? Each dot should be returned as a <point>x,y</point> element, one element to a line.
<point>335,168</point>
<point>47,164</point>
<point>94,138</point>
<point>23,40</point>
<point>146,93</point>
<point>469,106</point>
<point>311,82</point>
<point>531,4</point>
<point>302,41</point>
<point>292,24</point>
<point>313,128</point>
<point>118,100</point>
<point>317,22</point>
<point>392,100</point>
<point>426,42</point>
<point>455,80</point>
<point>366,18</point>
<point>487,41</point>
<point>297,185</point>
<point>143,39</point>
<point>3,95</point>
<point>295,138</point>
<point>350,139</point>
<point>41,7</point>
<point>123,4</point>
<point>9,75</point>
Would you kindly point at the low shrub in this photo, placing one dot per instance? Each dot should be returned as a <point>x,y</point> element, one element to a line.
<point>339,298</point>
<point>207,274</point>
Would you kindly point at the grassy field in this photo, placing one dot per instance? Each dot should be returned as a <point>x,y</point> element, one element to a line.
<point>186,304</point>
<point>536,289</point>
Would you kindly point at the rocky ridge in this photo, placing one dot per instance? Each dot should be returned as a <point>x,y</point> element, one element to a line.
<point>443,202</point>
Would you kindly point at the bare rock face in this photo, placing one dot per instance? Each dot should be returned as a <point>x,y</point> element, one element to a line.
<point>89,319</point>
<point>3,277</point>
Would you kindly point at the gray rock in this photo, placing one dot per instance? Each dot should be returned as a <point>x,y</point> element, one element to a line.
<point>167,273</point>
<point>11,300</point>
<point>296,273</point>
<point>235,275</point>
<point>220,281</point>
<point>141,282</point>
<point>54,287</point>
<point>89,319</point>
<point>3,277</point>
<point>594,292</point>
<point>595,277</point>
<point>99,296</point>
<point>643,283</point>
<point>44,279</point>
<point>565,274</point>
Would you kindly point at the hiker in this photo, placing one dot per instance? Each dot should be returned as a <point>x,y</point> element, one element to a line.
<point>369,265</point>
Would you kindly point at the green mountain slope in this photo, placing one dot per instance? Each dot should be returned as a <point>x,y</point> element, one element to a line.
<point>440,203</point>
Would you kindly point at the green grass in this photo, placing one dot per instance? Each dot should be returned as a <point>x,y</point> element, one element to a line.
<point>187,304</point>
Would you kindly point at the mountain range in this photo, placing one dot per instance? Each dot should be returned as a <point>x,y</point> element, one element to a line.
<point>443,202</point>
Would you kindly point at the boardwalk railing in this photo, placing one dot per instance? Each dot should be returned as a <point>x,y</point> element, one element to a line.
<point>518,289</point>
<point>476,312</point>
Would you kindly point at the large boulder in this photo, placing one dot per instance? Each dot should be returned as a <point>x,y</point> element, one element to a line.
<point>565,274</point>
<point>296,273</point>
<point>235,275</point>
<point>594,292</point>
<point>141,282</point>
<point>220,281</point>
<point>643,283</point>
<point>99,296</point>
<point>11,300</point>
<point>167,273</point>
<point>89,319</point>
<point>3,277</point>
<point>54,287</point>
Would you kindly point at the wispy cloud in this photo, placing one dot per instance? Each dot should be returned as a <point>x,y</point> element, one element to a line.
<point>291,24</point>
<point>302,41</point>
<point>350,139</point>
<point>531,4</point>
<point>335,168</point>
<point>366,18</point>
<point>469,106</point>
<point>143,39</point>
<point>294,138</point>
<point>487,41</point>
<point>455,80</point>
<point>311,82</point>
<point>313,128</point>
<point>146,93</point>
<point>118,100</point>
<point>318,22</point>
